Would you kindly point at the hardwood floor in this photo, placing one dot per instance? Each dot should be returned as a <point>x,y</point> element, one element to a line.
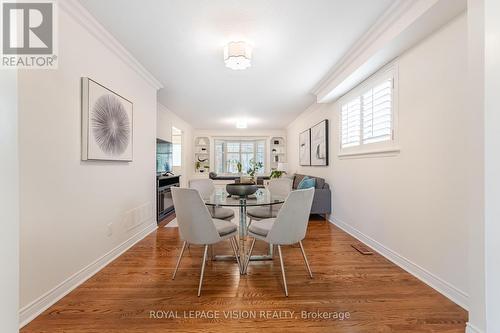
<point>378,295</point>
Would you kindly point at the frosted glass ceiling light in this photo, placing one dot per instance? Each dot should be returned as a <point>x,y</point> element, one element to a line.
<point>238,55</point>
<point>241,123</point>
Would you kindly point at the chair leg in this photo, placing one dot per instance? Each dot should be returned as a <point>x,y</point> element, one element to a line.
<point>211,252</point>
<point>248,257</point>
<point>305,259</point>
<point>233,245</point>
<point>179,259</point>
<point>202,269</point>
<point>249,222</point>
<point>237,244</point>
<point>283,270</point>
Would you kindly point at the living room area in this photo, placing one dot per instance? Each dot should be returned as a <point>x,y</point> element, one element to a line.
<point>220,166</point>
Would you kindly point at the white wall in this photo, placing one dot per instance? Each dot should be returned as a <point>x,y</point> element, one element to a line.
<point>492,163</point>
<point>415,205</point>
<point>9,209</point>
<point>484,233</point>
<point>165,120</point>
<point>69,206</point>
<point>248,132</point>
<point>476,230</point>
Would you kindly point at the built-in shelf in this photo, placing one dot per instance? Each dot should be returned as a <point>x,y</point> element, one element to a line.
<point>202,155</point>
<point>278,152</point>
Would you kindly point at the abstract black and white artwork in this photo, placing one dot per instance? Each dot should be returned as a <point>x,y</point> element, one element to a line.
<point>107,124</point>
<point>305,147</point>
<point>319,144</point>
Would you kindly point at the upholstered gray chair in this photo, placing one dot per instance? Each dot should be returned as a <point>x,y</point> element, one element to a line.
<point>206,187</point>
<point>280,187</point>
<point>197,227</point>
<point>288,228</point>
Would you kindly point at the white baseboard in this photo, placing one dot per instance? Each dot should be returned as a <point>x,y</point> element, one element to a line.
<point>35,308</point>
<point>454,294</point>
<point>472,329</point>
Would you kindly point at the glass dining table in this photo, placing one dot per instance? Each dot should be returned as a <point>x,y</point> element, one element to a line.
<point>262,198</point>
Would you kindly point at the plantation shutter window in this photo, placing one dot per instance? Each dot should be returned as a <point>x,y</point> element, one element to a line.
<point>368,115</point>
<point>377,113</point>
<point>351,123</point>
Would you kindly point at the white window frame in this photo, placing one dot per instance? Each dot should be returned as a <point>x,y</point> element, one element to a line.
<point>388,147</point>
<point>242,139</point>
<point>180,134</point>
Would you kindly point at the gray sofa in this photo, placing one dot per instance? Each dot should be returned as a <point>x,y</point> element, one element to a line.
<point>322,202</point>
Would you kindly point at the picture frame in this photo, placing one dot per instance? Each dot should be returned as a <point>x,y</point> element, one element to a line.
<point>319,144</point>
<point>305,148</point>
<point>107,124</point>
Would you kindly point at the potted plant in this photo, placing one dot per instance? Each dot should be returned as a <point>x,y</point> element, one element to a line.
<point>239,167</point>
<point>254,167</point>
<point>276,174</point>
<point>197,165</point>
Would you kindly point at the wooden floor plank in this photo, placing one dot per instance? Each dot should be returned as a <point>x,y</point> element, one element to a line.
<point>378,295</point>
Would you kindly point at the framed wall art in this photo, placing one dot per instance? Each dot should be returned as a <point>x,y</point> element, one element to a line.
<point>319,144</point>
<point>107,124</point>
<point>305,148</point>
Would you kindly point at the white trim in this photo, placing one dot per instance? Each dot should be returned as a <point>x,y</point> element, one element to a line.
<point>453,293</point>
<point>383,23</point>
<point>390,71</point>
<point>240,139</point>
<point>388,151</point>
<point>400,27</point>
<point>88,22</point>
<point>35,308</point>
<point>469,328</point>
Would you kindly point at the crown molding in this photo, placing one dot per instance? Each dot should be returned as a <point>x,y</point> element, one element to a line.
<point>161,107</point>
<point>369,37</point>
<point>81,15</point>
<point>311,109</point>
<point>402,25</point>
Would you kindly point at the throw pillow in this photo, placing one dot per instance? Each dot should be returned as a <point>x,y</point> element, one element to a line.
<point>307,182</point>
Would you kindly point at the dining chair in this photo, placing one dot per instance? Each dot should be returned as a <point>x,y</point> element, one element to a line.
<point>280,187</point>
<point>206,187</point>
<point>288,228</point>
<point>197,227</point>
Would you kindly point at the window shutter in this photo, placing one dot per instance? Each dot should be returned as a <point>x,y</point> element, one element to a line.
<point>351,123</point>
<point>377,113</point>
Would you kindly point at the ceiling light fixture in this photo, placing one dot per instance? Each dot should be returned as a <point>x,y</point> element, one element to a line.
<point>238,55</point>
<point>241,123</point>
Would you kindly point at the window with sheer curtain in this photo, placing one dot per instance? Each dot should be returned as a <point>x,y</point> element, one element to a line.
<point>176,147</point>
<point>228,152</point>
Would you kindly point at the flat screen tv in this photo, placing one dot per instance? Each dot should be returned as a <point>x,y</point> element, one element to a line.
<point>163,156</point>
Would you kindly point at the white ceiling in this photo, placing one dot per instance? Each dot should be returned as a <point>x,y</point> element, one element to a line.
<point>296,42</point>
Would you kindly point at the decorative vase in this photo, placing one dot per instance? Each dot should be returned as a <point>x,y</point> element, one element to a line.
<point>241,190</point>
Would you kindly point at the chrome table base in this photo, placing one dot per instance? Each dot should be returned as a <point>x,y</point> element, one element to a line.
<point>242,237</point>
